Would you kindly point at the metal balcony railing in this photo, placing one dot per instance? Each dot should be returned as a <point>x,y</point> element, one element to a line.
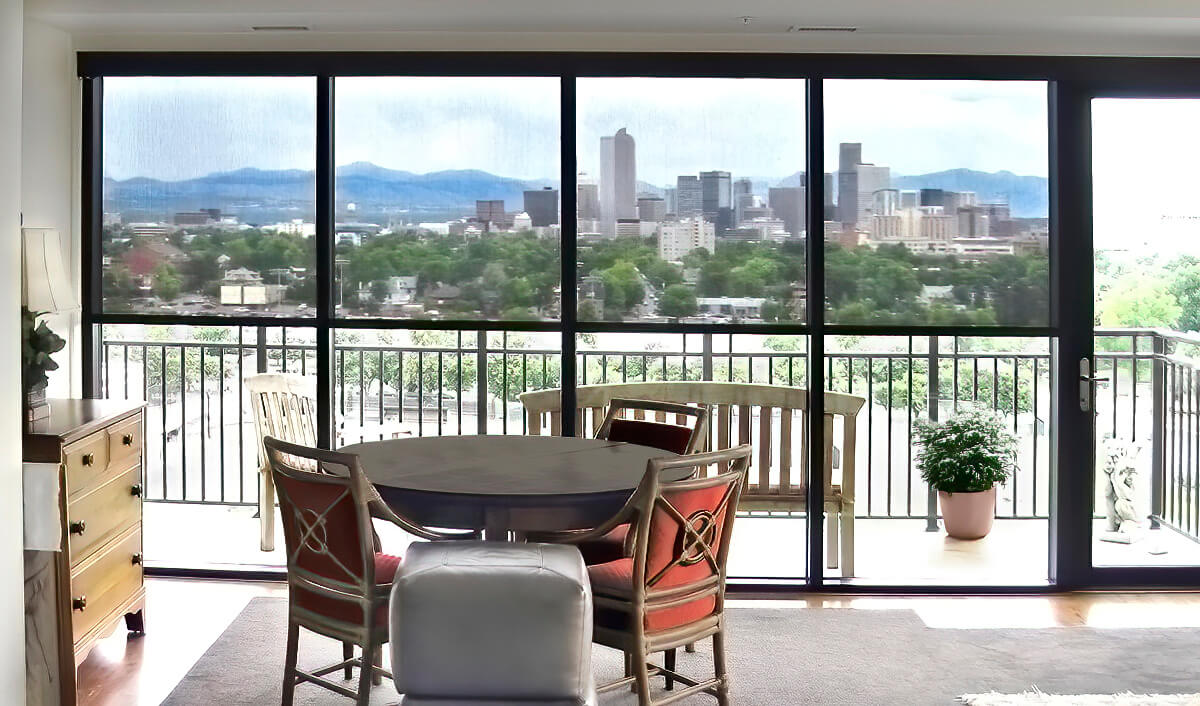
<point>200,440</point>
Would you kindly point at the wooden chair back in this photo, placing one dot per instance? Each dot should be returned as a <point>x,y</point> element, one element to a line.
<point>772,418</point>
<point>626,420</point>
<point>682,532</point>
<point>284,407</point>
<point>324,501</point>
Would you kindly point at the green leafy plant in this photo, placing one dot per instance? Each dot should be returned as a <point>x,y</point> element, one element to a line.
<point>38,343</point>
<point>968,453</point>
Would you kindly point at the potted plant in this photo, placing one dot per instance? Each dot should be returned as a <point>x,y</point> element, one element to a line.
<point>964,458</point>
<point>38,343</point>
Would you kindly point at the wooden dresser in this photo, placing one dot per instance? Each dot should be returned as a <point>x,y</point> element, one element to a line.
<point>97,577</point>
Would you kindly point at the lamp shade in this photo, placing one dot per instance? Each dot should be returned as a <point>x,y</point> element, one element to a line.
<point>47,287</point>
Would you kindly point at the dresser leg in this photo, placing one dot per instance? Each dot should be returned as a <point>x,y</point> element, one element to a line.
<point>136,623</point>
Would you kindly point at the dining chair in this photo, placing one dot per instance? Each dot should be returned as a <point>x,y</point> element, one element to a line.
<point>626,421</point>
<point>671,591</point>
<point>284,406</point>
<point>338,579</point>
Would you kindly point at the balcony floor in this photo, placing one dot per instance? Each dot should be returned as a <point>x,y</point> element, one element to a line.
<point>889,551</point>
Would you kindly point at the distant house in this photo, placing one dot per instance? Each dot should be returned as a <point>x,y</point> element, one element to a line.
<point>241,276</point>
<point>734,307</point>
<point>244,287</point>
<point>936,292</point>
<point>443,293</point>
<point>401,290</point>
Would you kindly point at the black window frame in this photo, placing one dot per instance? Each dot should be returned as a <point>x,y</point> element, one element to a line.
<point>1070,81</point>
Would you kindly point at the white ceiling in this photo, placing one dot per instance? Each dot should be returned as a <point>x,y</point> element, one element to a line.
<point>1165,27</point>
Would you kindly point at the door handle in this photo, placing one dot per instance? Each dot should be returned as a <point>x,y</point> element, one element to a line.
<point>1087,385</point>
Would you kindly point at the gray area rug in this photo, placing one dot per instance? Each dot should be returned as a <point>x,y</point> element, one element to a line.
<point>825,657</point>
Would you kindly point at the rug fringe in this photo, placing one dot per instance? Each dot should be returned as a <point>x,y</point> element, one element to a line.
<point>1036,697</point>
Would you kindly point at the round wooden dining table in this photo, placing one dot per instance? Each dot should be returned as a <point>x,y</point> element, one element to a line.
<point>507,485</point>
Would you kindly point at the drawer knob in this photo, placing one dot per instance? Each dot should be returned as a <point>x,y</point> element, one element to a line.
<point>136,559</point>
<point>79,604</point>
<point>78,527</point>
<point>127,440</point>
<point>136,490</point>
<point>88,459</point>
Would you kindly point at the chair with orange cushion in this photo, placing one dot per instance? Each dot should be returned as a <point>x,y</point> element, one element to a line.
<point>626,421</point>
<point>671,592</point>
<point>338,580</point>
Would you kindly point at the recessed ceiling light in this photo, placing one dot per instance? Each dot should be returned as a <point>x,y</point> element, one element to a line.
<point>807,28</point>
<point>279,28</point>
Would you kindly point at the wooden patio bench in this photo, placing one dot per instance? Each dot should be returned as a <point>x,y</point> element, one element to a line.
<point>777,481</point>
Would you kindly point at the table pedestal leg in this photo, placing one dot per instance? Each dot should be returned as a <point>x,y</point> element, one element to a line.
<point>495,528</point>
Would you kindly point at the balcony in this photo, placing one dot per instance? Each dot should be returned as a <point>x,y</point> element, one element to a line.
<point>202,482</point>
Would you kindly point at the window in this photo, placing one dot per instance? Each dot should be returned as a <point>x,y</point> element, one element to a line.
<point>208,196</point>
<point>447,201</point>
<point>691,199</point>
<point>938,211</point>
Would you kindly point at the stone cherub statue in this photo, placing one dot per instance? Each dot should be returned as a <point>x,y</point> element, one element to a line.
<point>1118,460</point>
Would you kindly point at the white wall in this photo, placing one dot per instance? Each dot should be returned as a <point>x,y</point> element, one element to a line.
<point>12,588</point>
<point>50,171</point>
<point>1080,43</point>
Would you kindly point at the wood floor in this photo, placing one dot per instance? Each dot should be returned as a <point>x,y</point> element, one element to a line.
<point>185,616</point>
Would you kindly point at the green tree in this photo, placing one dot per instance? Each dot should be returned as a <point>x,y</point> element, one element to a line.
<point>677,301</point>
<point>166,283</point>
<point>623,288</point>
<point>1140,301</point>
<point>1185,286</point>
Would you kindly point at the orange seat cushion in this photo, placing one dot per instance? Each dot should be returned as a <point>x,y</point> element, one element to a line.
<point>657,435</point>
<point>615,579</point>
<point>386,566</point>
<point>608,548</point>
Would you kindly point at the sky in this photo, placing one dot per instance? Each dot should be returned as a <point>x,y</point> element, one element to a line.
<point>177,128</point>
<point>1144,158</point>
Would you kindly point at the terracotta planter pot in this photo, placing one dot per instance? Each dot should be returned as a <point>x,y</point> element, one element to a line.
<point>968,515</point>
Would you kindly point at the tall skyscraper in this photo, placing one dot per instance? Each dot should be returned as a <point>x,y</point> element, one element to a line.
<point>788,205</point>
<point>587,198</point>
<point>618,180</point>
<point>870,179</point>
<point>743,196</point>
<point>542,207</point>
<point>688,200</point>
<point>849,157</point>
<point>669,198</point>
<point>716,199</point>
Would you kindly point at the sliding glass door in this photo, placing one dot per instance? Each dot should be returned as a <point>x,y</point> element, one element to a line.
<point>1144,387</point>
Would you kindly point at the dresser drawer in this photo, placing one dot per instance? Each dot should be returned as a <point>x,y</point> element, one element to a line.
<point>87,459</point>
<point>124,440</point>
<point>106,582</point>
<point>103,512</point>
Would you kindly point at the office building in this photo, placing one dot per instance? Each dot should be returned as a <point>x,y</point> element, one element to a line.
<point>849,157</point>
<point>788,205</point>
<point>688,196</point>
<point>618,179</point>
<point>542,206</point>
<point>678,238</point>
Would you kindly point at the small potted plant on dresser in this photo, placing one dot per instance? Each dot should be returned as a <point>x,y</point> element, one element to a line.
<point>964,458</point>
<point>38,344</point>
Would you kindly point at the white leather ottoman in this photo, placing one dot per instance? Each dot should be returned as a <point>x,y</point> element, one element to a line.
<point>495,623</point>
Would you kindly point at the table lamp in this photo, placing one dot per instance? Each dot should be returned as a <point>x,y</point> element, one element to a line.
<point>46,290</point>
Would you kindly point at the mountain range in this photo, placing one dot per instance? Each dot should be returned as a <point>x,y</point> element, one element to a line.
<point>259,196</point>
